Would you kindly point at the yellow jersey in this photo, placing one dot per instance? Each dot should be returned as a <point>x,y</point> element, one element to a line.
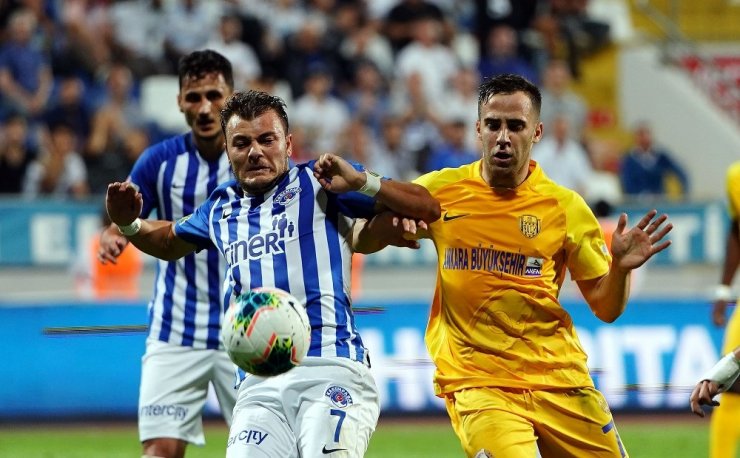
<point>495,319</point>
<point>733,190</point>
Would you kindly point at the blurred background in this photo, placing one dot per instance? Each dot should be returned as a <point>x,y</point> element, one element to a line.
<point>86,85</point>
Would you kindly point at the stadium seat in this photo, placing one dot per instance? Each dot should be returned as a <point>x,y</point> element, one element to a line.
<point>159,102</point>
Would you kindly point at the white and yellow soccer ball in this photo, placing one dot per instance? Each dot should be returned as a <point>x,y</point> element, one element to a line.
<point>266,331</point>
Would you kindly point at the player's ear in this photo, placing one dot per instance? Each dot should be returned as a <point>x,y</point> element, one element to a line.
<point>538,131</point>
<point>289,144</point>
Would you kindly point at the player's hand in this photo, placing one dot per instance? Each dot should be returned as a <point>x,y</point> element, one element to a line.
<point>633,248</point>
<point>336,174</point>
<point>719,313</point>
<point>111,246</point>
<point>123,202</point>
<point>703,395</point>
<point>402,232</point>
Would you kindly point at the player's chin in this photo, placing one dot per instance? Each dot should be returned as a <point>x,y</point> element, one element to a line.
<point>207,131</point>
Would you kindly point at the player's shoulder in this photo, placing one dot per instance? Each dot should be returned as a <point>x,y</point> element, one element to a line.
<point>436,180</point>
<point>733,172</point>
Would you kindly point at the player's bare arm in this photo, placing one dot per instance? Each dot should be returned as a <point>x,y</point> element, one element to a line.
<point>723,293</point>
<point>338,176</point>
<point>154,237</point>
<point>384,229</point>
<point>720,378</point>
<point>607,295</point>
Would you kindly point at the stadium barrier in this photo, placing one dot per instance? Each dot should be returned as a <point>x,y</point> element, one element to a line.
<point>646,361</point>
<point>25,239</point>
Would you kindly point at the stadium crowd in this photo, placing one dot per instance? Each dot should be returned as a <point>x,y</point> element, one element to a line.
<point>389,83</point>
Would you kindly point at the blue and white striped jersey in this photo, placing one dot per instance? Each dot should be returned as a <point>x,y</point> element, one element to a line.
<point>294,237</point>
<point>174,180</point>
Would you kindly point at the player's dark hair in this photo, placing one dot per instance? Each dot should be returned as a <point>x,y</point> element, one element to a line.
<point>198,64</point>
<point>509,84</point>
<point>250,104</point>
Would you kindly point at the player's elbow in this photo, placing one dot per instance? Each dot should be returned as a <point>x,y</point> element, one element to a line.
<point>432,211</point>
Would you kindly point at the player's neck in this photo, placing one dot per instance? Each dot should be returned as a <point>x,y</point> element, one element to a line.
<point>209,149</point>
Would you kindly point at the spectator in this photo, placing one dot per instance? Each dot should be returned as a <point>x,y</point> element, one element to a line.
<point>187,26</point>
<point>559,99</point>
<point>25,72</point>
<point>112,125</point>
<point>399,22</point>
<point>453,150</point>
<point>646,168</point>
<point>60,170</point>
<point>426,56</point>
<point>16,154</point>
<point>502,55</point>
<point>563,159</point>
<point>366,43</point>
<point>320,133</point>
<point>369,99</point>
<point>461,101</point>
<point>388,153</point>
<point>228,43</point>
<point>69,107</point>
<point>138,35</point>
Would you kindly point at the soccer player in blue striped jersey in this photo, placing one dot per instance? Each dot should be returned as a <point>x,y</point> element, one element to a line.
<point>288,227</point>
<point>182,350</point>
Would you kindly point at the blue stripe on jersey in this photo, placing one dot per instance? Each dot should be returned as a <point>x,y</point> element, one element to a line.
<point>335,259</point>
<point>310,266</point>
<point>191,291</point>
<point>165,207</point>
<point>233,237</point>
<point>214,277</point>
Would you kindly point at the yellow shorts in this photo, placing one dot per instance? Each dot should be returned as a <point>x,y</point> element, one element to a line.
<point>508,423</point>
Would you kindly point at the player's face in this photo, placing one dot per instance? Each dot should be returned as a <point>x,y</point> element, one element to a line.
<point>201,100</point>
<point>258,150</point>
<point>508,126</point>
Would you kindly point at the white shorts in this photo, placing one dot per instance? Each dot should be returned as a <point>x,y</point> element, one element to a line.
<point>174,387</point>
<point>326,407</point>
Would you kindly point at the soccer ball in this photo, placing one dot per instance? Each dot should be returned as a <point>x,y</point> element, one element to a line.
<point>266,331</point>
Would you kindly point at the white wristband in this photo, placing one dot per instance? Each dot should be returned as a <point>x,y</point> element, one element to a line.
<point>722,293</point>
<point>724,373</point>
<point>131,229</point>
<point>372,184</point>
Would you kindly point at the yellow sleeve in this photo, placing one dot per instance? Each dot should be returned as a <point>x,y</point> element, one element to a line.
<point>733,190</point>
<point>588,255</point>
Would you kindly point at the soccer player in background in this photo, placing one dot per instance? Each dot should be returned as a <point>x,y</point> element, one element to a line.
<point>182,349</point>
<point>508,361</point>
<point>288,227</point>
<point>724,429</point>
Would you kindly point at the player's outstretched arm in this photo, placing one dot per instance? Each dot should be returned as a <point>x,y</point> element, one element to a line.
<point>722,295</point>
<point>337,175</point>
<point>156,238</point>
<point>720,378</point>
<point>386,228</point>
<point>607,295</point>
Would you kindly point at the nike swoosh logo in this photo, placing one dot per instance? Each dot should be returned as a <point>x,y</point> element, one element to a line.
<point>449,217</point>
<point>326,451</point>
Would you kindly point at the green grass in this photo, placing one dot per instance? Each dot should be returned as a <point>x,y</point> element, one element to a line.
<point>393,439</point>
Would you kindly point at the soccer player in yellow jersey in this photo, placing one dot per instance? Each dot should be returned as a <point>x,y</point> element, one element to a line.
<point>724,430</point>
<point>508,360</point>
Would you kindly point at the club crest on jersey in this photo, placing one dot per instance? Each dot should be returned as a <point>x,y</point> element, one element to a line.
<point>287,195</point>
<point>529,225</point>
<point>338,396</point>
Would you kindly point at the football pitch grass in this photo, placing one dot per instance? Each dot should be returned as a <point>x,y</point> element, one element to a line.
<point>675,436</point>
